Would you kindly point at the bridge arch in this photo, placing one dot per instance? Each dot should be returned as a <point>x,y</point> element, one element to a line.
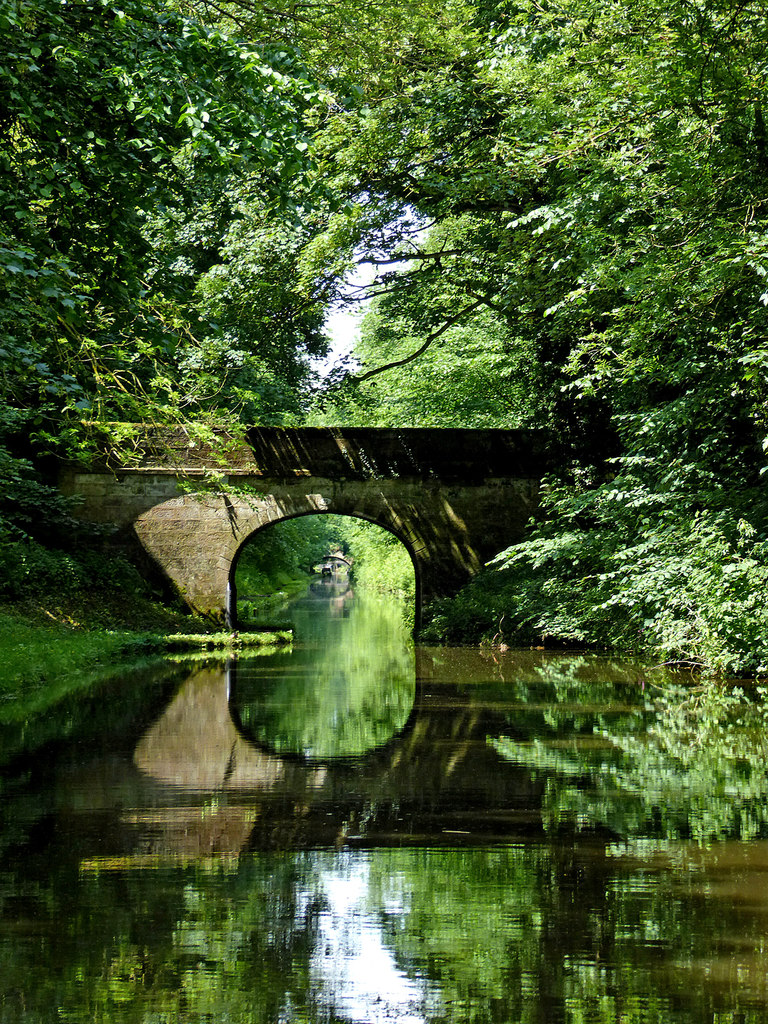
<point>453,497</point>
<point>231,615</point>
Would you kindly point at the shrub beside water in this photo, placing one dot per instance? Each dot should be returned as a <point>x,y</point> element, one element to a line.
<point>626,568</point>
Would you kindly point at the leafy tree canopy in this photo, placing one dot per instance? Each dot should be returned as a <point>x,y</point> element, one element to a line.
<point>139,152</point>
<point>594,176</point>
<point>114,124</point>
<point>564,208</point>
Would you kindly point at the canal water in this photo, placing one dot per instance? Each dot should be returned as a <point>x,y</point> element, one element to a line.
<point>357,830</point>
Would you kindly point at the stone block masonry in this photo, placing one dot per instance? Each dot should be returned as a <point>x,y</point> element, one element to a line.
<point>453,497</point>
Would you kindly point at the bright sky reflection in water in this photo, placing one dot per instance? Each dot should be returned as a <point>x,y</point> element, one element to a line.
<point>538,839</point>
<point>353,971</point>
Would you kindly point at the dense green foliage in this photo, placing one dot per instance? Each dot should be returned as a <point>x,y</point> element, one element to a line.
<point>138,151</point>
<point>595,175</point>
<point>563,211</point>
<point>39,667</point>
<point>475,378</point>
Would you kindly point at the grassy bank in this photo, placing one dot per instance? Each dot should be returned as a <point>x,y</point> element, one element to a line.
<point>57,657</point>
<point>48,669</point>
<point>42,661</point>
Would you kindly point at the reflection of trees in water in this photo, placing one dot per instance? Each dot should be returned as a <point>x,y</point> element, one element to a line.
<point>346,689</point>
<point>660,762</point>
<point>527,933</point>
<point>581,754</point>
<point>467,907</point>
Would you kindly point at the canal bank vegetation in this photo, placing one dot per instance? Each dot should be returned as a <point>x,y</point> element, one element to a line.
<point>380,562</point>
<point>50,658</point>
<point>56,656</point>
<point>67,614</point>
<point>687,590</point>
<point>556,218</point>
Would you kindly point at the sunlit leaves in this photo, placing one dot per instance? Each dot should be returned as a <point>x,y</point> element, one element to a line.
<point>109,117</point>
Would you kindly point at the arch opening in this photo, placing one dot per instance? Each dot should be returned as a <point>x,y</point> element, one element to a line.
<point>347,685</point>
<point>335,549</point>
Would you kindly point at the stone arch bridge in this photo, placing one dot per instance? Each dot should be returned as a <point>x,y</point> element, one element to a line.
<point>454,497</point>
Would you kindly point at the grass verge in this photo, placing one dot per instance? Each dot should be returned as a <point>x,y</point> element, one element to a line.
<point>40,662</point>
<point>226,641</point>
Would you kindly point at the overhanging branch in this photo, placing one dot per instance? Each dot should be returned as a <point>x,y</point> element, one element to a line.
<point>422,348</point>
<point>416,255</point>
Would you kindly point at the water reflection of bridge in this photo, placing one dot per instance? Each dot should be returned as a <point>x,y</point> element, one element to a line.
<point>215,792</point>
